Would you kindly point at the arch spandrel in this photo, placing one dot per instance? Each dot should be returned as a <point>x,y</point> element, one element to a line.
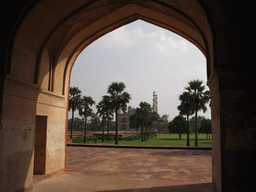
<point>55,38</point>
<point>52,34</point>
<point>56,25</point>
<point>69,31</point>
<point>80,35</point>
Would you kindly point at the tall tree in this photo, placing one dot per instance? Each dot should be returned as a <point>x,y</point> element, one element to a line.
<point>118,99</point>
<point>74,103</point>
<point>77,124</point>
<point>178,125</point>
<point>94,124</point>
<point>200,98</point>
<point>86,111</point>
<point>163,123</point>
<point>186,108</point>
<point>155,120</point>
<point>106,113</point>
<point>192,122</point>
<point>134,121</point>
<point>206,127</point>
<point>142,118</point>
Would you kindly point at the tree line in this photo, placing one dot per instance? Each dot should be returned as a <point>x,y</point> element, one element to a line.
<point>116,99</point>
<point>94,123</point>
<point>193,99</point>
<point>145,118</point>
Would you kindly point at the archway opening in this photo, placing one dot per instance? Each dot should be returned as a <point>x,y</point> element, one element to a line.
<point>42,40</point>
<point>147,59</point>
<point>48,40</point>
<point>105,61</point>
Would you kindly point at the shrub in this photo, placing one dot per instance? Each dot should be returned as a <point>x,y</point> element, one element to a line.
<point>129,138</point>
<point>120,138</point>
<point>95,138</point>
<point>137,137</point>
<point>90,138</point>
<point>78,140</point>
<point>99,137</point>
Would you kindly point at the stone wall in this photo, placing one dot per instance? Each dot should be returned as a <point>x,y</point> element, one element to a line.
<point>124,121</point>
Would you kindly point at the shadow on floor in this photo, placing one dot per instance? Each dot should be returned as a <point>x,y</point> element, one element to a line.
<point>170,153</point>
<point>197,187</point>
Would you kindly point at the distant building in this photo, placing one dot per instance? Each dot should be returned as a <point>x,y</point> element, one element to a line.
<point>154,102</point>
<point>123,119</point>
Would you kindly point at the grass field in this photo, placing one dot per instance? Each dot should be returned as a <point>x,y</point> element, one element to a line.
<point>164,140</point>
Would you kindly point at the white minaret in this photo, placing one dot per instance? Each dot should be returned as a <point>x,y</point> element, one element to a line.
<point>154,102</point>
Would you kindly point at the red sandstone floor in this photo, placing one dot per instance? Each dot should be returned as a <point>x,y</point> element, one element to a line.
<point>105,169</point>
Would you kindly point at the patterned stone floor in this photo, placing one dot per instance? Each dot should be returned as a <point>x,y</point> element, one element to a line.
<point>177,165</point>
<point>106,169</point>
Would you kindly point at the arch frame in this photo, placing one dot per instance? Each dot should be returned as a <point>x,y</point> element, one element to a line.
<point>43,26</point>
<point>134,12</point>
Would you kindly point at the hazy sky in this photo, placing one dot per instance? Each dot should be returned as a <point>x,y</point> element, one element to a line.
<point>146,58</point>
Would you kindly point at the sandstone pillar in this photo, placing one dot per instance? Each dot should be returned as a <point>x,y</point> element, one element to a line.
<point>17,134</point>
<point>40,145</point>
<point>233,124</point>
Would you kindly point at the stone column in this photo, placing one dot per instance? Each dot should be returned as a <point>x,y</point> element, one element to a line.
<point>233,125</point>
<point>154,101</point>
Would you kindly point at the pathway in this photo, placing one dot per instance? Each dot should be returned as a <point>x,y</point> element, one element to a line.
<point>105,169</point>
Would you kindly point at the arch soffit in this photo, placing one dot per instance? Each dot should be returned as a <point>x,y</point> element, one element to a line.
<point>126,15</point>
<point>72,34</point>
<point>78,37</point>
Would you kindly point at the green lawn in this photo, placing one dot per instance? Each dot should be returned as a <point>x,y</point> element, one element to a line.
<point>164,140</point>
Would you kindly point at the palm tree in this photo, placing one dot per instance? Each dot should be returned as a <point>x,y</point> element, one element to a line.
<point>163,123</point>
<point>86,111</point>
<point>118,100</point>
<point>105,112</point>
<point>145,114</point>
<point>200,98</point>
<point>134,121</point>
<point>186,108</point>
<point>155,120</point>
<point>142,118</point>
<point>74,102</point>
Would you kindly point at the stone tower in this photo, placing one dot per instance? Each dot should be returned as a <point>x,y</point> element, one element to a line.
<point>154,102</point>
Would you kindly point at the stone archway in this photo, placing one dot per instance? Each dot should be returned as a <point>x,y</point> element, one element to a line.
<point>49,35</point>
<point>123,127</point>
<point>123,120</point>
